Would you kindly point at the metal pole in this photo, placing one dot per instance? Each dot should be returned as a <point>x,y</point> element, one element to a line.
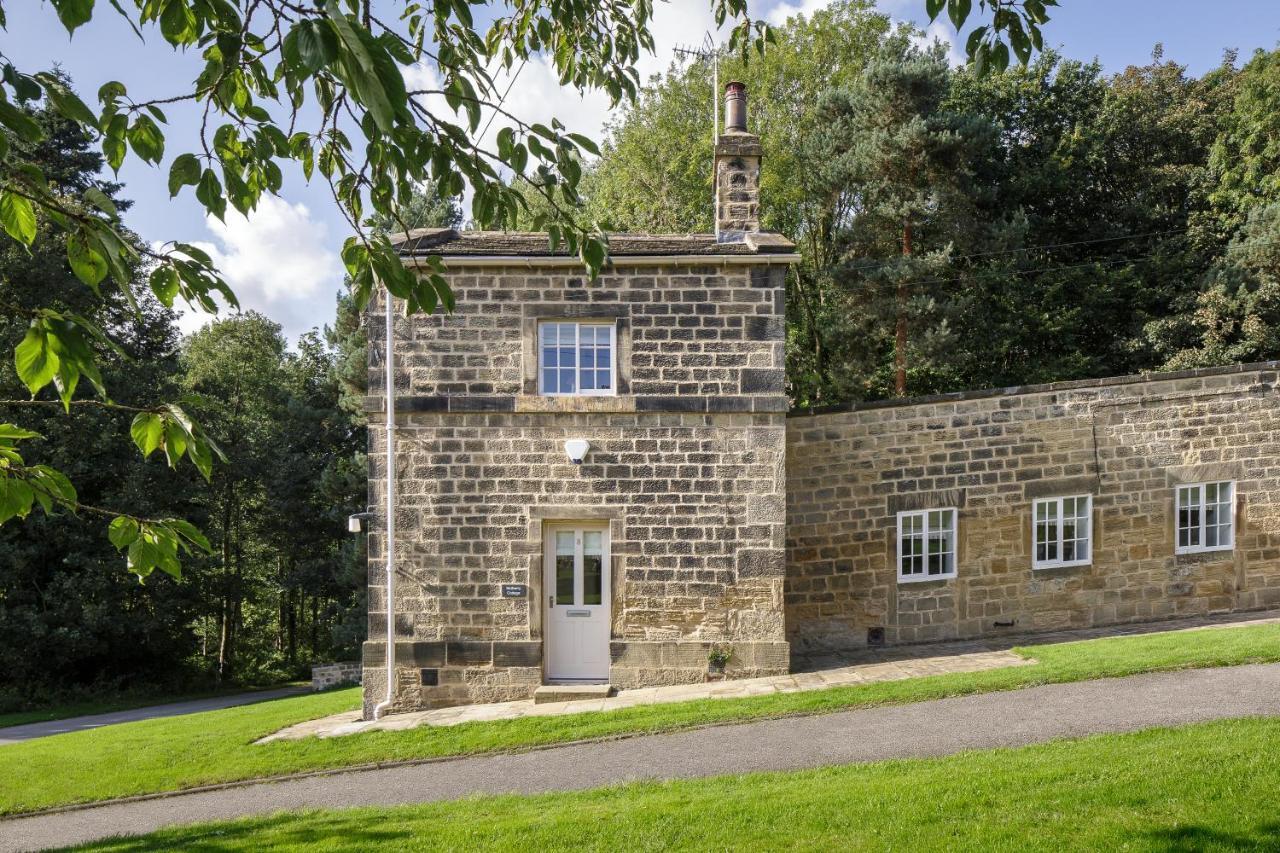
<point>390,547</point>
<point>715,136</point>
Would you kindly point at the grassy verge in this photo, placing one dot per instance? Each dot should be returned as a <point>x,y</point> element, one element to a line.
<point>1204,787</point>
<point>217,746</point>
<point>127,702</point>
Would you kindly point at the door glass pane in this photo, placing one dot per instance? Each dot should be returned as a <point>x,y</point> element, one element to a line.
<point>564,567</point>
<point>592,567</point>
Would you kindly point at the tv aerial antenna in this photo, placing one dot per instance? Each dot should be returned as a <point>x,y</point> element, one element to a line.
<point>708,51</point>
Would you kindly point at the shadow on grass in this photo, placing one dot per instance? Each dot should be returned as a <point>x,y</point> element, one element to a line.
<point>286,831</point>
<point>1195,838</point>
<point>360,830</point>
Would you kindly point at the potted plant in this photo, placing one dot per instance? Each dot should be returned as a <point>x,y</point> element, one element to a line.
<point>717,658</point>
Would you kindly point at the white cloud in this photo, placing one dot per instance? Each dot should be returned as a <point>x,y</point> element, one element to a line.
<point>279,261</point>
<point>938,31</point>
<point>779,14</point>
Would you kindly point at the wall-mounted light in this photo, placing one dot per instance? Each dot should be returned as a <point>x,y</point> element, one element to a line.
<point>577,449</point>
<point>353,521</point>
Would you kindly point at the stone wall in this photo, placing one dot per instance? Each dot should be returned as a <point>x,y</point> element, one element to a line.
<point>326,675</point>
<point>1126,441</point>
<point>685,466</point>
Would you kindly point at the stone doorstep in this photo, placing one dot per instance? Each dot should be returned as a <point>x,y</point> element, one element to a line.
<point>548,693</point>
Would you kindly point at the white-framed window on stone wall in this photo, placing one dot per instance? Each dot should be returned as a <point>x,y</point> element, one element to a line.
<point>927,545</point>
<point>1205,514</point>
<point>1062,532</point>
<point>577,358</point>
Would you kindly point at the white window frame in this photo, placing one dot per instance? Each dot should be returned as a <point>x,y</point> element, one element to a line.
<point>924,535</point>
<point>578,391</point>
<point>1201,528</point>
<point>1059,563</point>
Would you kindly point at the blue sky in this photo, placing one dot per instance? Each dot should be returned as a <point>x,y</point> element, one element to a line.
<point>284,260</point>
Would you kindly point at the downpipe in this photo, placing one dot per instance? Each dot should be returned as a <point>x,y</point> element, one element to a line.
<point>382,707</point>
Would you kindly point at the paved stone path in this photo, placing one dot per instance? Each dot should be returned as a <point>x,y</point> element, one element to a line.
<point>816,672</point>
<point>17,734</point>
<point>349,722</point>
<point>940,727</point>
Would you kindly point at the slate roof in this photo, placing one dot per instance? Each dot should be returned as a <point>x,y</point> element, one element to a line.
<point>451,242</point>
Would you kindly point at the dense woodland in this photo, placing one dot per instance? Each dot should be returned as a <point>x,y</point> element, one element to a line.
<point>957,231</point>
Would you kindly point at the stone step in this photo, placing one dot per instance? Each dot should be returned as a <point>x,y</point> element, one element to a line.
<point>570,692</point>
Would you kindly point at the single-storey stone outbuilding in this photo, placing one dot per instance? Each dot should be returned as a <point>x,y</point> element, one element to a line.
<point>597,481</point>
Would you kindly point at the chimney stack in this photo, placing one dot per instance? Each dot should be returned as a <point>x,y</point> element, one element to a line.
<point>735,107</point>
<point>737,171</point>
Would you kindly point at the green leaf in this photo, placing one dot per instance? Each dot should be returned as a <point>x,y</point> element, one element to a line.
<point>19,122</point>
<point>199,454</point>
<point>113,141</point>
<point>209,193</point>
<point>933,8</point>
<point>65,101</point>
<point>178,23</point>
<point>73,13</point>
<point>593,254</point>
<point>122,532</point>
<point>585,143</point>
<point>974,41</point>
<point>314,43</point>
<point>148,432</point>
<point>190,532</point>
<point>86,261</point>
<point>958,11</point>
<point>18,217</point>
<point>175,442</point>
<point>102,201</point>
<point>36,363</point>
<point>147,139</point>
<point>16,498</point>
<point>185,171</point>
<point>10,433</point>
<point>164,284</point>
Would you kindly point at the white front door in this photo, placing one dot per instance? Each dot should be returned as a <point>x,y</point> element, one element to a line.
<point>576,587</point>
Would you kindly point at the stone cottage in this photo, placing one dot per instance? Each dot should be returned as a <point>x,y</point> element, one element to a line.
<point>597,481</point>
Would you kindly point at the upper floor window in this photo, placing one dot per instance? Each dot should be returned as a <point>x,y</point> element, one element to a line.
<point>1205,513</point>
<point>927,545</point>
<point>1063,532</point>
<point>576,358</point>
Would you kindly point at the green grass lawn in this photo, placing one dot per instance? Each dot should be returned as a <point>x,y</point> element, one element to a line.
<point>217,746</point>
<point>109,704</point>
<point>1205,787</point>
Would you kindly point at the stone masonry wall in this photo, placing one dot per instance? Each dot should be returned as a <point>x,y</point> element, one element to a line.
<point>1127,441</point>
<point>686,467</point>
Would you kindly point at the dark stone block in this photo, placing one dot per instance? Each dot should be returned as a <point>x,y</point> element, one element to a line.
<point>422,404</point>
<point>423,654</point>
<point>765,329</point>
<point>761,563</point>
<point>517,653</point>
<point>430,677</point>
<point>761,381</point>
<point>728,404</point>
<point>671,404</point>
<point>482,404</point>
<point>469,653</point>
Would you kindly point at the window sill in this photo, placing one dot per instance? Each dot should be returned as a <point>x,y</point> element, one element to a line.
<point>1048,567</point>
<point>1190,552</point>
<point>575,403</point>
<point>926,578</point>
